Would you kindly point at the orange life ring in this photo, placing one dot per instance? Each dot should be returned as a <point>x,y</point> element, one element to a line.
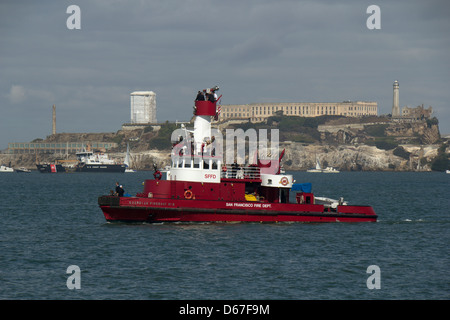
<point>188,194</point>
<point>157,175</point>
<point>284,181</point>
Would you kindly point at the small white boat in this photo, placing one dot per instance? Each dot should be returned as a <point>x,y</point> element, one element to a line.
<point>127,161</point>
<point>330,170</point>
<point>447,171</point>
<point>6,169</point>
<point>23,169</point>
<point>318,168</point>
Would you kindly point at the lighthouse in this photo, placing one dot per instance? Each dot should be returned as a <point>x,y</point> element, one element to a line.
<point>395,104</point>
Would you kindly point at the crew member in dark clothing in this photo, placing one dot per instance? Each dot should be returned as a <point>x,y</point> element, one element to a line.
<point>210,97</point>
<point>119,190</point>
<point>200,96</point>
<point>234,168</point>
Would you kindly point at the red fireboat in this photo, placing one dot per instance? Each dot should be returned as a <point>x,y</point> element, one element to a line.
<point>199,187</point>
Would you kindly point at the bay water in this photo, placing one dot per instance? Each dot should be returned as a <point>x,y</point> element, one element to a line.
<point>50,222</point>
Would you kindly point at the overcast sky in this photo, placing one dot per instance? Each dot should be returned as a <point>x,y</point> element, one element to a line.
<point>255,51</point>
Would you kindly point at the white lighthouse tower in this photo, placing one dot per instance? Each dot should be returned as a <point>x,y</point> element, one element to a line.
<point>395,104</point>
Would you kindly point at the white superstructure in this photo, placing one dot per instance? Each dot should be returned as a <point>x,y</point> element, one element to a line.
<point>88,157</point>
<point>6,169</point>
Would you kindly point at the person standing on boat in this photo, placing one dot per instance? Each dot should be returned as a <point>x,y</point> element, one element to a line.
<point>200,96</point>
<point>119,190</point>
<point>234,169</point>
<point>210,96</point>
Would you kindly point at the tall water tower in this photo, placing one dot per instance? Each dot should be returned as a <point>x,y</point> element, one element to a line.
<point>143,107</point>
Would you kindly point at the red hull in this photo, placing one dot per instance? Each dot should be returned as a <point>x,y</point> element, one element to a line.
<point>136,209</point>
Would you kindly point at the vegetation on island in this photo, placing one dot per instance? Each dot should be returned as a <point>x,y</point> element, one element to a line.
<point>442,161</point>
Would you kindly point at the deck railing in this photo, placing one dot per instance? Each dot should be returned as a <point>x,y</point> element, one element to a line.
<point>240,172</point>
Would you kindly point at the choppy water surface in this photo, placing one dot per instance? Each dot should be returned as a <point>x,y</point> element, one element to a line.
<point>52,221</point>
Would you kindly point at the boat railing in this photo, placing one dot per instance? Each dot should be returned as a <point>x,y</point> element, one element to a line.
<point>241,172</point>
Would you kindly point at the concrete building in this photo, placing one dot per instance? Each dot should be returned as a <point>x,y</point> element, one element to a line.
<point>396,101</point>
<point>143,107</point>
<point>258,112</point>
<point>416,114</point>
<point>56,147</point>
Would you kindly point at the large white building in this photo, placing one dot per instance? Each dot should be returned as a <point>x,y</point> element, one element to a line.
<point>258,112</point>
<point>143,107</point>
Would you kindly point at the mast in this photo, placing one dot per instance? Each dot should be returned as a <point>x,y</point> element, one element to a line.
<point>127,157</point>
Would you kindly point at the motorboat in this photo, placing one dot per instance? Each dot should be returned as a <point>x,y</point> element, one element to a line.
<point>5,169</point>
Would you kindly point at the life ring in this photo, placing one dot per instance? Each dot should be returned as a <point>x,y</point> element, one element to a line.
<point>188,194</point>
<point>224,168</point>
<point>284,181</point>
<point>157,175</point>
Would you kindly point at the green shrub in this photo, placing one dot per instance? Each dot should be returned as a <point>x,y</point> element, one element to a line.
<point>440,163</point>
<point>162,140</point>
<point>384,143</point>
<point>432,121</point>
<point>118,138</point>
<point>148,129</point>
<point>377,130</point>
<point>402,153</point>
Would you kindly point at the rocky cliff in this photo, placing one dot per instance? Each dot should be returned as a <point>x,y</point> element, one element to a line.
<point>358,157</point>
<point>349,144</point>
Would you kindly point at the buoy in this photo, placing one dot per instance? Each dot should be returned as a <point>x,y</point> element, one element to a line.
<point>188,194</point>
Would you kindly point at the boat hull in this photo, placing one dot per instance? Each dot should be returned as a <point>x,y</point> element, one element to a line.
<point>50,168</point>
<point>101,168</point>
<point>57,168</point>
<point>135,209</point>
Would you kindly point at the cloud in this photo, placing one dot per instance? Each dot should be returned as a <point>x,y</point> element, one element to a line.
<point>256,48</point>
<point>16,94</point>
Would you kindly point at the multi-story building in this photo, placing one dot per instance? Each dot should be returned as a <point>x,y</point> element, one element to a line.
<point>258,112</point>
